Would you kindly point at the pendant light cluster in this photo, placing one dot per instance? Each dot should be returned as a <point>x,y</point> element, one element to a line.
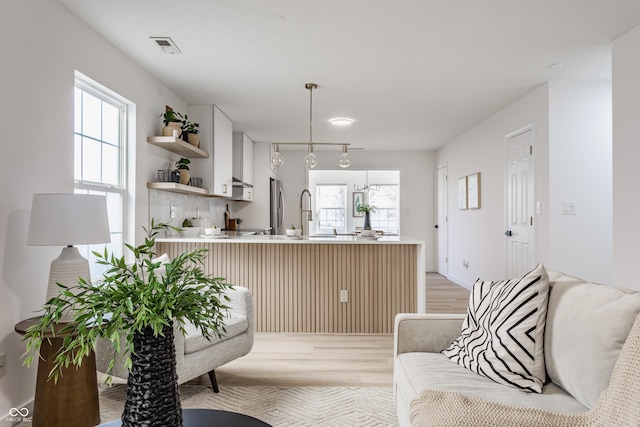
<point>310,160</point>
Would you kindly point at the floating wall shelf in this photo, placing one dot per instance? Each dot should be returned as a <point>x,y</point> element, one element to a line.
<point>178,146</point>
<point>177,188</point>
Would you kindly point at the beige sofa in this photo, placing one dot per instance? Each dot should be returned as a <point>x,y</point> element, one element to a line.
<point>195,355</point>
<point>591,344</point>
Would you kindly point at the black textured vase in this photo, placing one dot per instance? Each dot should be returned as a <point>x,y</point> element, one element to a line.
<point>367,221</point>
<point>152,397</point>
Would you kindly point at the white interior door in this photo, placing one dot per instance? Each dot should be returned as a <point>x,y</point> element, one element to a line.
<point>519,234</point>
<point>441,224</point>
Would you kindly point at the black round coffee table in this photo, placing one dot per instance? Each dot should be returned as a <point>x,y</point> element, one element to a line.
<point>209,418</point>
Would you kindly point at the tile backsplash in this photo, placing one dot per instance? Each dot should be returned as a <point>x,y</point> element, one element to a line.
<point>209,209</point>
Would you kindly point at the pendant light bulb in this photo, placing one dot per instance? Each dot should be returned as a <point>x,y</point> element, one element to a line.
<point>344,161</point>
<point>310,160</point>
<point>276,159</point>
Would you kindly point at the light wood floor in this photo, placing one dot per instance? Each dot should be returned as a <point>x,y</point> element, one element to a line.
<point>331,360</point>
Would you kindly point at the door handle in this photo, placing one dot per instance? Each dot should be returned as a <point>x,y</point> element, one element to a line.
<point>508,233</point>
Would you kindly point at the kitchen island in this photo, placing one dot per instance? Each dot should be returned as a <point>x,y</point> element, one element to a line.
<point>297,284</point>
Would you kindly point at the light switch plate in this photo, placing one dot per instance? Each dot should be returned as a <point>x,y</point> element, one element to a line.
<point>569,208</point>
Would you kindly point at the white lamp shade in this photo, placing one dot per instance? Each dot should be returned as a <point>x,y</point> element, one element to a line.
<point>68,219</point>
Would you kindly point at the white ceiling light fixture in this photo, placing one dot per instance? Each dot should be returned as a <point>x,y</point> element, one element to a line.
<point>341,121</point>
<point>310,160</point>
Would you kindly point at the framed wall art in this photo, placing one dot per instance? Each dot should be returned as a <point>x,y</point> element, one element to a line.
<point>358,199</point>
<point>473,191</point>
<point>462,193</point>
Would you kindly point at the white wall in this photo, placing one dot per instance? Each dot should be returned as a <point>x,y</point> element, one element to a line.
<point>46,44</point>
<point>478,235</point>
<point>417,184</point>
<point>572,122</point>
<point>580,170</point>
<point>626,154</point>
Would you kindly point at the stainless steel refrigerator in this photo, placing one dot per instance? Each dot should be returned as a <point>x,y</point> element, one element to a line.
<point>277,207</point>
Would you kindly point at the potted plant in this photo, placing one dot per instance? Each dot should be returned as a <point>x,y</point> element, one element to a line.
<point>367,209</point>
<point>172,122</point>
<point>137,304</point>
<point>183,168</point>
<point>190,131</point>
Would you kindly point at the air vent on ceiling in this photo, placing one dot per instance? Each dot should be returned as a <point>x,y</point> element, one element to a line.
<point>166,44</point>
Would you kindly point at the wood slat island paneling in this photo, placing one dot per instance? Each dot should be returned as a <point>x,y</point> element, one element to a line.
<point>296,284</point>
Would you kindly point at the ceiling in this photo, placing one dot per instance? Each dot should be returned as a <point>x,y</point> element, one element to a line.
<point>413,74</point>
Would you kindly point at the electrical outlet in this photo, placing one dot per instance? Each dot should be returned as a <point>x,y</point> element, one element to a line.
<point>3,361</point>
<point>344,295</point>
<point>172,212</point>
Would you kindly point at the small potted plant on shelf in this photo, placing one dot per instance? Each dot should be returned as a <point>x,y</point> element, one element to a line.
<point>190,129</point>
<point>367,209</point>
<point>183,169</point>
<point>137,307</point>
<point>172,122</point>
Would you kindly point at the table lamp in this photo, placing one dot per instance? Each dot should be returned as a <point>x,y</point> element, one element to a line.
<point>67,220</point>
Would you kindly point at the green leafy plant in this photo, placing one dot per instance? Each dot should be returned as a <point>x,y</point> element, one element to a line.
<point>171,116</point>
<point>365,208</point>
<point>189,127</point>
<point>183,164</point>
<point>193,128</point>
<point>131,298</point>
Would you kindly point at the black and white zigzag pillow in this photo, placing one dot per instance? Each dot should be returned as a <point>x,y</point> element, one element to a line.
<point>503,334</point>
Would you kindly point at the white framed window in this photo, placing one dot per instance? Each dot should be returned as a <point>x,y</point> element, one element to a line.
<point>331,207</point>
<point>386,198</point>
<point>100,142</point>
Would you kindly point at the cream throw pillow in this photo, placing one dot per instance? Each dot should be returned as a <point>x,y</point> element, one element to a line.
<point>503,334</point>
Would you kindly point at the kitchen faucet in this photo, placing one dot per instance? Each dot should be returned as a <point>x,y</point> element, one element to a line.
<point>310,214</point>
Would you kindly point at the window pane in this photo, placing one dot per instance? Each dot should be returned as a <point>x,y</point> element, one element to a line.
<point>91,116</point>
<point>114,210</point>
<point>385,199</point>
<point>110,124</point>
<point>330,208</point>
<point>99,141</point>
<point>77,112</point>
<point>91,160</point>
<point>110,164</point>
<point>77,158</point>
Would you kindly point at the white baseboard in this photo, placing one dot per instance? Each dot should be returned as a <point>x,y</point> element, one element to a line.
<point>459,281</point>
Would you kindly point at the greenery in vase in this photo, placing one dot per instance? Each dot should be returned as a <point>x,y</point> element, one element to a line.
<point>365,208</point>
<point>182,164</point>
<point>131,298</point>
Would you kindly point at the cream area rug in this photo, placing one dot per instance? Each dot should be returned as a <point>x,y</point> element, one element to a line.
<point>281,406</point>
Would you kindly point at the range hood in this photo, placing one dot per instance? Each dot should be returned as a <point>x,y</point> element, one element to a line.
<point>238,189</point>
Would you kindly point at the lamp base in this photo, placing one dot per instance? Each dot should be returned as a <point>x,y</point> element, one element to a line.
<point>66,269</point>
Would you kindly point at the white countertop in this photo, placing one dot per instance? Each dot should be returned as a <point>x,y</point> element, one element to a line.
<point>402,240</point>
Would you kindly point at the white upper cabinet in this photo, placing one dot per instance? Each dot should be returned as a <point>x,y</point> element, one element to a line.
<point>242,166</point>
<point>216,137</point>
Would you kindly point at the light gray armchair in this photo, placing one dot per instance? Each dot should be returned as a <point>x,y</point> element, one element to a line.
<point>195,355</point>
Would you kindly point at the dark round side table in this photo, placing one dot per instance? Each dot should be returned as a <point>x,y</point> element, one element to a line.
<point>73,400</point>
<point>209,418</point>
